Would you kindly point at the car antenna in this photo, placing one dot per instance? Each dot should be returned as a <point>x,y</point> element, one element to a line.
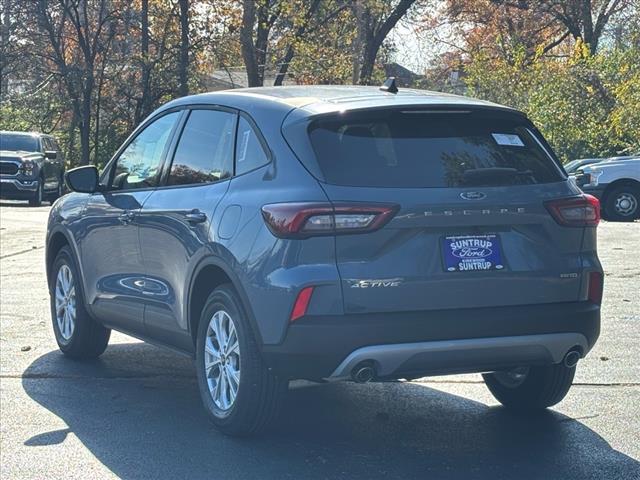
<point>389,85</point>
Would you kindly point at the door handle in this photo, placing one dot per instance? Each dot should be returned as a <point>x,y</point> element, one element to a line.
<point>127,217</point>
<point>195,216</point>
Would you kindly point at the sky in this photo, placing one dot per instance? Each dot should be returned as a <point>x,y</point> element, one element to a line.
<point>416,49</point>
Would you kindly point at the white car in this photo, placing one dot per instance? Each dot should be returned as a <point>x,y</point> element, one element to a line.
<point>616,182</point>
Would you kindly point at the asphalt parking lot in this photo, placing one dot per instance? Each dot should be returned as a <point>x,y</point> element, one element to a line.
<point>135,413</point>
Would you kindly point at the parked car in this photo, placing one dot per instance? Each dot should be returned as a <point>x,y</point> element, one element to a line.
<point>574,165</point>
<point>332,233</point>
<point>616,183</point>
<point>31,167</point>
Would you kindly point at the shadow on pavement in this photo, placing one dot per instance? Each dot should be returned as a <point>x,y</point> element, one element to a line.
<point>138,411</point>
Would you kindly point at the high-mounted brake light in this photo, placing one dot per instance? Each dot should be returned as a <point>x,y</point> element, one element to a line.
<point>303,220</point>
<point>582,211</point>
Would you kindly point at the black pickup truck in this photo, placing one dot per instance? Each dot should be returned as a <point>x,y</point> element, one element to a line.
<point>31,167</point>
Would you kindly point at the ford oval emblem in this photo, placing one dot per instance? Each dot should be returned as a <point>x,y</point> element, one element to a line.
<point>472,252</point>
<point>473,195</point>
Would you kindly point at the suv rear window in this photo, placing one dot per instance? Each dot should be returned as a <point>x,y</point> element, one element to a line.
<point>413,149</point>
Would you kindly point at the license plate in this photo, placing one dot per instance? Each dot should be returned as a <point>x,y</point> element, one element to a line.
<point>465,253</point>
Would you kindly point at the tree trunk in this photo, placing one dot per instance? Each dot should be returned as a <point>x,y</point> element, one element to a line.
<point>587,26</point>
<point>368,61</point>
<point>71,140</point>
<point>246,41</point>
<point>143,105</point>
<point>362,25</point>
<point>373,38</point>
<point>85,132</point>
<point>6,31</point>
<point>183,62</point>
<point>284,66</point>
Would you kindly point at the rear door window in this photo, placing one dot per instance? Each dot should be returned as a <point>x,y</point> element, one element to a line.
<point>205,150</point>
<point>417,150</point>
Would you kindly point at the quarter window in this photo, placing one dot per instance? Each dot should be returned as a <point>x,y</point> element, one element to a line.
<point>46,144</point>
<point>139,165</point>
<point>205,151</point>
<point>249,151</point>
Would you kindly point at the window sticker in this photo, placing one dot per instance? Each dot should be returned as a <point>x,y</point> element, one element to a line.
<point>508,139</point>
<point>243,145</point>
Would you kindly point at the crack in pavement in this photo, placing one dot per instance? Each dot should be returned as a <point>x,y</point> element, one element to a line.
<point>21,252</point>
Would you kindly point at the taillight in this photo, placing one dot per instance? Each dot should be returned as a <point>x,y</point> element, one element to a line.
<point>595,287</point>
<point>301,304</point>
<point>582,211</point>
<point>303,220</point>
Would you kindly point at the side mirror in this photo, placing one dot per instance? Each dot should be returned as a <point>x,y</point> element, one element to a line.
<point>83,179</point>
<point>51,154</point>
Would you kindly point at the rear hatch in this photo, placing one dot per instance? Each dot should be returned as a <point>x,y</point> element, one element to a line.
<point>471,228</point>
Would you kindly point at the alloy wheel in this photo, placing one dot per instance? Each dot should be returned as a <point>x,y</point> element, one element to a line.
<point>65,297</point>
<point>222,360</point>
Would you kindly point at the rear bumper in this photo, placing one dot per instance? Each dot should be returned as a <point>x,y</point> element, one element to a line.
<point>455,356</point>
<point>411,344</point>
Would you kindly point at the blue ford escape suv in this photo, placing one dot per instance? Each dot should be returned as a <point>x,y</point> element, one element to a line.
<point>332,233</point>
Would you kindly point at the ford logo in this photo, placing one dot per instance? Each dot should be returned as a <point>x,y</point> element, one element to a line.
<point>472,252</point>
<point>473,195</point>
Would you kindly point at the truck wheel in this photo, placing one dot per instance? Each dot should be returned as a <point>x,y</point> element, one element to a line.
<point>621,204</point>
<point>530,388</point>
<point>78,335</point>
<point>36,200</point>
<point>58,193</point>
<point>241,395</point>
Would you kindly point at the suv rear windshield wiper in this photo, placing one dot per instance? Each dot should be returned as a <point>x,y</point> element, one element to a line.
<point>493,175</point>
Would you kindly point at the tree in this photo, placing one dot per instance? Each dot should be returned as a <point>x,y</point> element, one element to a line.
<point>323,54</point>
<point>586,106</point>
<point>374,19</point>
<point>583,19</point>
<point>258,16</point>
<point>79,34</point>
<point>300,30</point>
<point>500,29</point>
<point>183,62</point>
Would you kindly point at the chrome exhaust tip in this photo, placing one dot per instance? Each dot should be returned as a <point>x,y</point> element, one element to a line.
<point>363,373</point>
<point>571,358</point>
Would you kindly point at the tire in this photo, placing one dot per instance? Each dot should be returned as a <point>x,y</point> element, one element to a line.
<point>36,201</point>
<point>535,389</point>
<point>78,335</point>
<point>58,193</point>
<point>259,392</point>
<point>622,204</point>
